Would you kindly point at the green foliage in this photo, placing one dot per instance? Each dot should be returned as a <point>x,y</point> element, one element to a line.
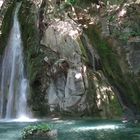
<point>32,129</point>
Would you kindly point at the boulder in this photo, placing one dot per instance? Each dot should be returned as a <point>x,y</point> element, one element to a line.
<point>67,90</point>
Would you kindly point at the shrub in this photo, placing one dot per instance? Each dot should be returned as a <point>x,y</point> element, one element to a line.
<point>30,130</point>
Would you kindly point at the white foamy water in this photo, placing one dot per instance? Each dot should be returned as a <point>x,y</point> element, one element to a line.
<point>1,2</point>
<point>14,84</point>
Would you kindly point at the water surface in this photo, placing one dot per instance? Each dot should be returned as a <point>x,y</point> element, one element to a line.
<point>77,130</point>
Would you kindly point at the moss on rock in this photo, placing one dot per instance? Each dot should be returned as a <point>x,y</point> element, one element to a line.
<point>38,131</point>
<point>6,26</point>
<point>33,57</point>
<point>125,83</point>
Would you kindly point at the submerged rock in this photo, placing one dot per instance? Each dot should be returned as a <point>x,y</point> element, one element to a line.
<point>42,131</point>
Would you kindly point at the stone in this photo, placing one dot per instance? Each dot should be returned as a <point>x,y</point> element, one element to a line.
<point>67,88</point>
<point>49,135</point>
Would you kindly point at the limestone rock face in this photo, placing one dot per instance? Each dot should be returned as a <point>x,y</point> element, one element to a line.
<point>4,4</point>
<point>133,55</point>
<point>80,71</point>
<point>120,27</point>
<point>67,91</point>
<point>68,74</point>
<point>122,23</point>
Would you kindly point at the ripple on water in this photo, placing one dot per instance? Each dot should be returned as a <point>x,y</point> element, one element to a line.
<point>76,130</point>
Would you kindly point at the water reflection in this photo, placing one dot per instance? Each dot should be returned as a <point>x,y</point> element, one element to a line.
<point>76,130</point>
<point>100,127</point>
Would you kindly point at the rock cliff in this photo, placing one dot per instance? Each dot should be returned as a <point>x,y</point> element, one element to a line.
<point>82,58</point>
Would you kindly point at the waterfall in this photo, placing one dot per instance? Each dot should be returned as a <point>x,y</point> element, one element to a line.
<point>14,84</point>
<point>1,2</point>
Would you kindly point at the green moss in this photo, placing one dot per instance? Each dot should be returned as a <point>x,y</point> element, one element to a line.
<point>32,129</point>
<point>71,1</point>
<point>92,95</point>
<point>125,83</point>
<point>91,91</point>
<point>6,26</point>
<point>84,51</point>
<point>33,57</point>
<point>30,37</point>
<point>111,68</point>
<point>115,107</point>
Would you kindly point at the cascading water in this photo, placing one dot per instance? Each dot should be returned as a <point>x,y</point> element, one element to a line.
<point>14,84</point>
